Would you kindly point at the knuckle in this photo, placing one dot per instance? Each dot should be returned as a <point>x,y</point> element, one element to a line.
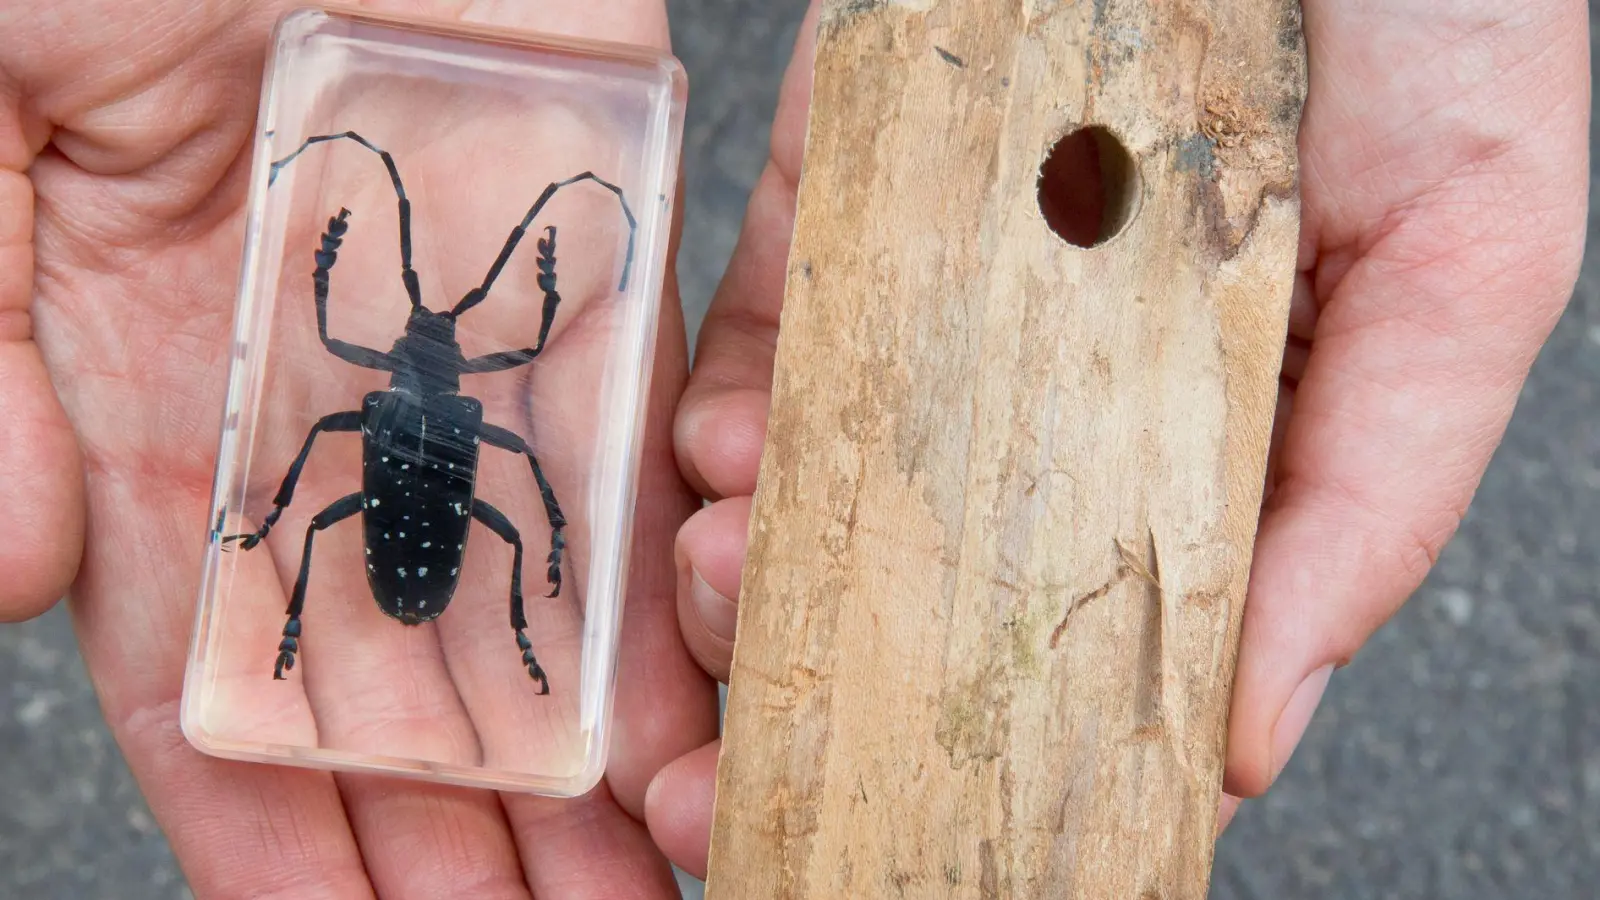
<point>1420,544</point>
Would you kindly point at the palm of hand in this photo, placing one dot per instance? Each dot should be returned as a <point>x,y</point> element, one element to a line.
<point>137,232</point>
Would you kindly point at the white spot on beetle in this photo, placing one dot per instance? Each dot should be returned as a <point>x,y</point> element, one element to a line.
<point>386,459</point>
<point>453,571</point>
<point>402,572</point>
<point>402,534</point>
<point>386,535</point>
<point>405,518</point>
<point>374,501</point>
<point>422,572</point>
<point>404,466</point>
<point>427,544</point>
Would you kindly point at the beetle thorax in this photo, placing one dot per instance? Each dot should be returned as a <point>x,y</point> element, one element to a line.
<point>429,360</point>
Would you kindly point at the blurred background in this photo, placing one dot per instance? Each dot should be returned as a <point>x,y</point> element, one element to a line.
<point>1457,759</point>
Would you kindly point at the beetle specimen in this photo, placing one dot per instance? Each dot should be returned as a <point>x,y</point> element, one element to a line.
<point>420,438</point>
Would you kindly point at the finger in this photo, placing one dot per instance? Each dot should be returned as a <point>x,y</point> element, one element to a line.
<point>375,687</point>
<point>240,829</point>
<point>719,431</point>
<point>722,421</point>
<point>1303,307</point>
<point>425,840</point>
<point>1420,352</point>
<point>41,474</point>
<point>587,848</point>
<point>591,847</point>
<point>1280,423</point>
<point>665,704</point>
<point>556,406</point>
<point>710,555</point>
<point>366,686</point>
<point>721,428</point>
<point>678,808</point>
<point>382,689</point>
<point>521,730</point>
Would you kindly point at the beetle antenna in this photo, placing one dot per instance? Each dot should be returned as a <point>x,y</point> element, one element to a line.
<point>407,274</point>
<point>477,295</point>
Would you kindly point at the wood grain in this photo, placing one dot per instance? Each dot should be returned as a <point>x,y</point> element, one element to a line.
<point>1003,529</point>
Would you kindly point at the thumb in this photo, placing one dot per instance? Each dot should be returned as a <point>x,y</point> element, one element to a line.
<point>41,475</point>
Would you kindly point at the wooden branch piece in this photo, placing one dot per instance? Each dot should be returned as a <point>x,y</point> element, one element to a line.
<point>1003,530</point>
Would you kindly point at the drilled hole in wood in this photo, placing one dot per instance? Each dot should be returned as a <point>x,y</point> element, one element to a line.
<point>1088,187</point>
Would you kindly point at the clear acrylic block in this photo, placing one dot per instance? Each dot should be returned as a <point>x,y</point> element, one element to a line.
<point>415,486</point>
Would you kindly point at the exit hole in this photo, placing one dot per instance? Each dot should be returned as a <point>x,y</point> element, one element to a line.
<point>1088,187</point>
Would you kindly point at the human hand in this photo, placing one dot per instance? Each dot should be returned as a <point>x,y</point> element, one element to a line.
<point>1443,179</point>
<point>126,139</point>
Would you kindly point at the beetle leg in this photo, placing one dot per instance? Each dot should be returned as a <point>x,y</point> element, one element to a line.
<point>339,421</point>
<point>499,524</point>
<point>510,359</point>
<point>338,510</point>
<point>496,436</point>
<point>326,257</point>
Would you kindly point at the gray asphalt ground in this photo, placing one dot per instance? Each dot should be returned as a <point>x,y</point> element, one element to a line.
<point>1458,759</point>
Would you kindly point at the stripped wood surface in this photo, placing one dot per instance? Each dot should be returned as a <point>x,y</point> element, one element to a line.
<point>1002,535</point>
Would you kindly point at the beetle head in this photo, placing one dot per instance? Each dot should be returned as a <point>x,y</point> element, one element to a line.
<point>431,326</point>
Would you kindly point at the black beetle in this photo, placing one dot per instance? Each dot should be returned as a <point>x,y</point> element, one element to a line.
<point>420,438</point>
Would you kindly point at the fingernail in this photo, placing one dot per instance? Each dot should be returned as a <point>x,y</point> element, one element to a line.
<point>1296,716</point>
<point>717,612</point>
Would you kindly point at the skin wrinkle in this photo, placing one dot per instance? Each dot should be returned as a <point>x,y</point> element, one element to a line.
<point>16,257</point>
<point>30,132</point>
<point>16,325</point>
<point>155,213</point>
<point>481,867</point>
